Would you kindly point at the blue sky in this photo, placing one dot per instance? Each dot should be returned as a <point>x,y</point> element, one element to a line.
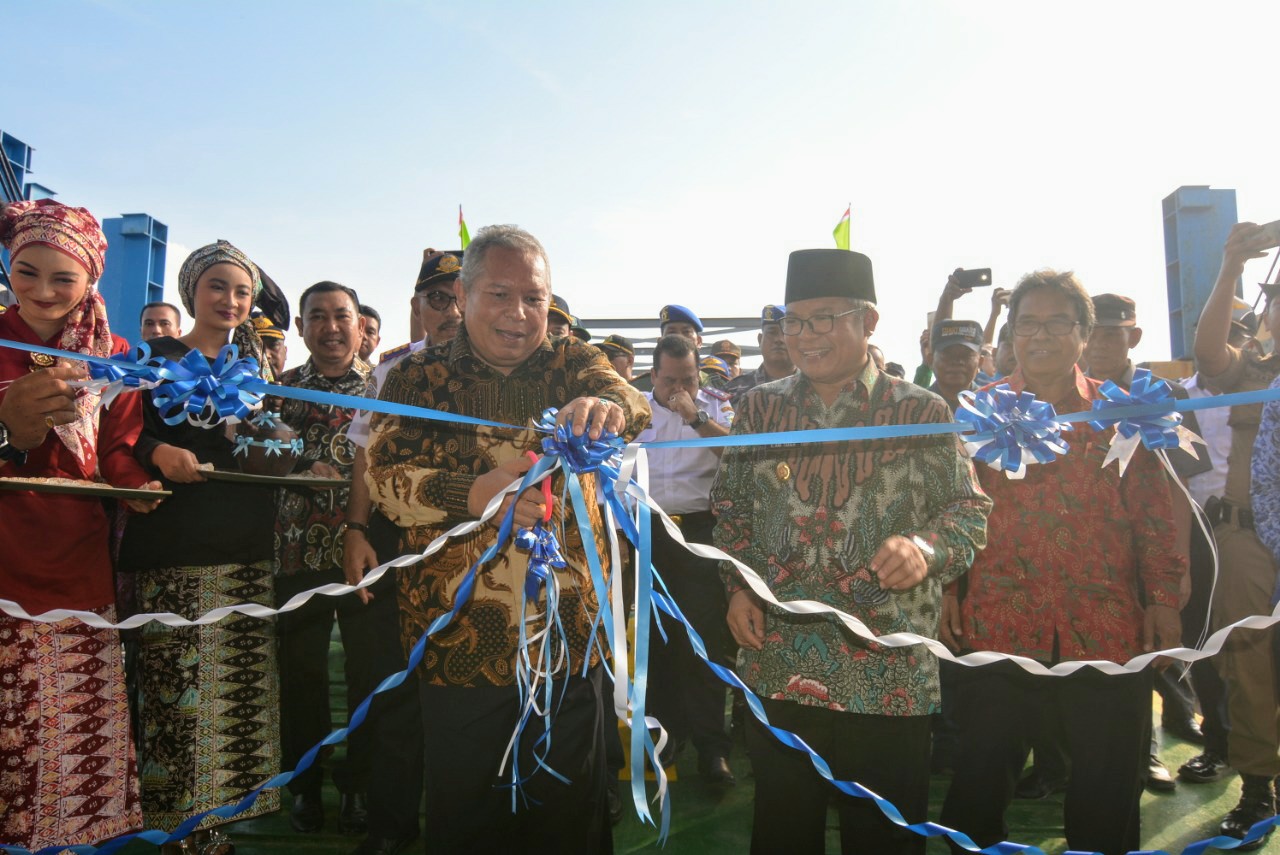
<point>663,152</point>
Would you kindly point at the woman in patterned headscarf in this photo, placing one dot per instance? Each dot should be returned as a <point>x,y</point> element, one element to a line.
<point>67,771</point>
<point>209,701</point>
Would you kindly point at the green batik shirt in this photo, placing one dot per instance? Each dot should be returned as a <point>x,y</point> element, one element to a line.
<point>809,517</point>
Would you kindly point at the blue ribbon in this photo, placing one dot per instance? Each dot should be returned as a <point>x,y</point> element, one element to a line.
<point>272,446</point>
<point>579,453</point>
<point>1002,419</point>
<point>1007,424</point>
<point>204,393</point>
<point>125,370</point>
<point>544,556</point>
<point>265,419</point>
<point>1158,430</point>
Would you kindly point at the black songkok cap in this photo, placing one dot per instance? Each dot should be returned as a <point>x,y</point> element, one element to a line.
<point>814,273</point>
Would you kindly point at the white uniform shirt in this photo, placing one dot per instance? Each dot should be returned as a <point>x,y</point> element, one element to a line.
<point>1216,433</point>
<point>358,430</point>
<point>680,478</point>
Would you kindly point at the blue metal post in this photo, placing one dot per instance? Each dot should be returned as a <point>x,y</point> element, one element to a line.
<point>1196,222</point>
<point>134,273</point>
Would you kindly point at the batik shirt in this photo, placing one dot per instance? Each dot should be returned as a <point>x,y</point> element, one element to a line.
<point>1265,481</point>
<point>308,533</point>
<point>809,517</point>
<point>420,475</point>
<point>1074,549</point>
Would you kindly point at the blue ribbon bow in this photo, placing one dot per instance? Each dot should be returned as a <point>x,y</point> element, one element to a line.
<point>578,453</point>
<point>1158,430</point>
<point>1010,427</point>
<point>265,419</point>
<point>544,556</point>
<point>126,368</point>
<point>203,393</point>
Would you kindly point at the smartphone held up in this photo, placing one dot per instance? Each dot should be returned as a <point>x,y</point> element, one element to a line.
<point>976,278</point>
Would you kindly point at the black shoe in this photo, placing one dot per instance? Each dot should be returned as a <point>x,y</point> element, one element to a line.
<point>307,815</point>
<point>353,816</point>
<point>1204,768</point>
<point>1158,778</point>
<point>1257,802</point>
<point>384,845</point>
<point>1185,729</point>
<point>1034,787</point>
<point>715,769</point>
<point>614,802</point>
<point>213,843</point>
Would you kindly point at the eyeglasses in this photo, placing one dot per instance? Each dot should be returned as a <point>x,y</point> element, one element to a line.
<point>820,324</point>
<point>440,300</point>
<point>1026,327</point>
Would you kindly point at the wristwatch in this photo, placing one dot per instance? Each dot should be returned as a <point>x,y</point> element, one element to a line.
<point>8,452</point>
<point>351,525</point>
<point>699,420</point>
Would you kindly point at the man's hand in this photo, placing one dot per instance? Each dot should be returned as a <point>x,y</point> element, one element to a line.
<point>926,347</point>
<point>358,558</point>
<point>954,290</point>
<point>746,620</point>
<point>602,415</point>
<point>1161,629</point>
<point>683,406</point>
<point>38,399</point>
<point>899,564</point>
<point>320,469</point>
<point>530,505</point>
<point>1238,249</point>
<point>999,300</point>
<point>950,626</point>
<point>177,464</point>
<point>146,506</point>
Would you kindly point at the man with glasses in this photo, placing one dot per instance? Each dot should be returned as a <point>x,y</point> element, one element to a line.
<point>872,528</point>
<point>1081,564</point>
<point>396,791</point>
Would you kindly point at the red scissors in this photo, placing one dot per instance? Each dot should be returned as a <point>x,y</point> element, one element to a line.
<point>546,488</point>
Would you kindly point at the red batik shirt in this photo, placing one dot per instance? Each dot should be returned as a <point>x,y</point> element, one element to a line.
<point>1073,550</point>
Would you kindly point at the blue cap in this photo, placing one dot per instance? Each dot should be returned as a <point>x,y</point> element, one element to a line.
<point>438,266</point>
<point>772,314</point>
<point>560,306</point>
<point>716,364</point>
<point>674,314</point>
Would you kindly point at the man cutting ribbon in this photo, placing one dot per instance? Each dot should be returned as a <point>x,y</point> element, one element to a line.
<point>427,476</point>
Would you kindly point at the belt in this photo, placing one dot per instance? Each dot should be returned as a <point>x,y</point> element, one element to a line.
<point>1221,511</point>
<point>691,518</point>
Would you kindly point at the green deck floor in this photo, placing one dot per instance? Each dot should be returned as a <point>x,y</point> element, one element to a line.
<point>706,822</point>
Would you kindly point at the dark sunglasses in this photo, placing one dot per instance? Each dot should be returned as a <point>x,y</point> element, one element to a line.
<point>440,300</point>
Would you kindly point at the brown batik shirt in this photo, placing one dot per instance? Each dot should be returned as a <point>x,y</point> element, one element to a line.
<point>421,472</point>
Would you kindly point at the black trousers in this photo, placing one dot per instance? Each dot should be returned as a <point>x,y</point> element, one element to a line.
<point>395,718</point>
<point>888,755</point>
<point>303,648</point>
<point>1107,724</point>
<point>469,801</point>
<point>683,694</point>
<point>1208,685</point>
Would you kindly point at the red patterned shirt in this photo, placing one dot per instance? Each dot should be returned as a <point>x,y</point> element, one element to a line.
<point>1073,550</point>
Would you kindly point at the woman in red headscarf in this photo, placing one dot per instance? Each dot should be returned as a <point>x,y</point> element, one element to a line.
<point>67,770</point>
